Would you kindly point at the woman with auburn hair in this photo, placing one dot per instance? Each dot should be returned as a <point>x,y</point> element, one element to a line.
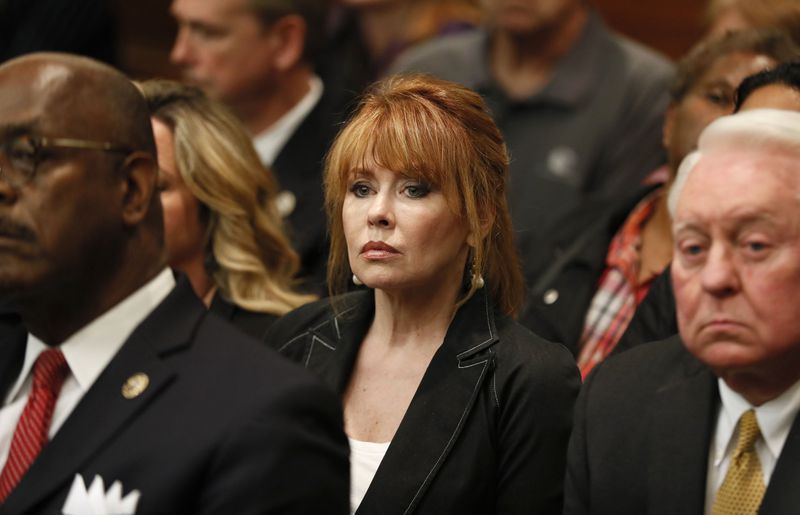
<point>222,228</point>
<point>450,406</point>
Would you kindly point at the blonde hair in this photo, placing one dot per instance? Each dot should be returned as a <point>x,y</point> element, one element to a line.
<point>442,133</point>
<point>252,262</point>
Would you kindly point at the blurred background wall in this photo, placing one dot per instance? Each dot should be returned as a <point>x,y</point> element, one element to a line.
<point>146,30</point>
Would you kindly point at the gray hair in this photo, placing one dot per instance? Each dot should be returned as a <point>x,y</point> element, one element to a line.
<point>758,130</point>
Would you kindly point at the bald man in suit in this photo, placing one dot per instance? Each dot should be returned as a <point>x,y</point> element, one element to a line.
<point>113,372</point>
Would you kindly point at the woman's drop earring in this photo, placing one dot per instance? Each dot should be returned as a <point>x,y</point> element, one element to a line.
<point>477,278</point>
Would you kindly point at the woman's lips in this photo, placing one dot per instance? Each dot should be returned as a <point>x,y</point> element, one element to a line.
<point>378,250</point>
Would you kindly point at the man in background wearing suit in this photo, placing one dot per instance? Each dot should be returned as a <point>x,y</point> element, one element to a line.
<point>116,374</point>
<point>706,421</point>
<point>257,56</point>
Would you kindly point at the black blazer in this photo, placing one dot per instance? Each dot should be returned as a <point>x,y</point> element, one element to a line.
<point>486,431</point>
<point>250,322</point>
<point>643,426</point>
<point>225,425</point>
<point>562,274</point>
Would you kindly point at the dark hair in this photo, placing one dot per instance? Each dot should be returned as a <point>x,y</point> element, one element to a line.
<point>785,74</point>
<point>768,42</point>
<point>313,12</point>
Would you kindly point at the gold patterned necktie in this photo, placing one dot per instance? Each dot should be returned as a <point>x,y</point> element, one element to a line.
<point>743,487</point>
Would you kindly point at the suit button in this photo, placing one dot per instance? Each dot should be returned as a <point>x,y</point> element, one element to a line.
<point>550,296</point>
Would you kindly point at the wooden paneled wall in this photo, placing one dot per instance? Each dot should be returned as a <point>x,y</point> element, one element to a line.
<point>670,26</point>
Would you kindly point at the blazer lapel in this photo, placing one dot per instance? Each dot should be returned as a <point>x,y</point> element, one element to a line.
<point>104,411</point>
<point>334,344</point>
<point>783,494</point>
<point>438,410</point>
<point>678,456</point>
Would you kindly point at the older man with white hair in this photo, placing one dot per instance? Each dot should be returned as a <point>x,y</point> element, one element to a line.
<point>705,422</point>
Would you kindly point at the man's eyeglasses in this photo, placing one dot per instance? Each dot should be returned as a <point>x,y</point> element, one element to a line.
<point>21,155</point>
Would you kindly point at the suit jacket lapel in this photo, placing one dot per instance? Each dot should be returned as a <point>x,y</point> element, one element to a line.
<point>13,339</point>
<point>334,344</point>
<point>104,411</point>
<point>783,495</point>
<point>438,410</point>
<point>684,418</point>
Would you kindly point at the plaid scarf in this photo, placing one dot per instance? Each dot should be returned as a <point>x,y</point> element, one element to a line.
<point>619,291</point>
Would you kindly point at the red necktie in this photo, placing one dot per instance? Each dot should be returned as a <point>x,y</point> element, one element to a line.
<point>30,436</point>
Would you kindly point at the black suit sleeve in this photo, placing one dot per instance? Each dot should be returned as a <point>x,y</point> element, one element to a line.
<point>535,419</point>
<point>290,459</point>
<point>576,483</point>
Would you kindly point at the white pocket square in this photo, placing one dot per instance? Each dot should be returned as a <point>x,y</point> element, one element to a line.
<point>96,501</point>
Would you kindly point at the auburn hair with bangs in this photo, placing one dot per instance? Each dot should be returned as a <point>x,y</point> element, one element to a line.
<point>441,133</point>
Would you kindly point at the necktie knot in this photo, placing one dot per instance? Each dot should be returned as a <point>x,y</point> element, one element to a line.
<point>50,370</point>
<point>748,433</point>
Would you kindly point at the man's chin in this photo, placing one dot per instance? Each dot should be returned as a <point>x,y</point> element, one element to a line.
<point>725,356</point>
<point>16,287</point>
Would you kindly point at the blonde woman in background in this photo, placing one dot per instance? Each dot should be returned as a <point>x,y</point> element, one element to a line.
<point>222,228</point>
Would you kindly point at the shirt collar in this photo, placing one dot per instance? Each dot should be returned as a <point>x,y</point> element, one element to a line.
<point>270,142</point>
<point>774,418</point>
<point>89,350</point>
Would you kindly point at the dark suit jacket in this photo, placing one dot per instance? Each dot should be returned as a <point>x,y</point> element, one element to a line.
<point>225,426</point>
<point>655,317</point>
<point>640,444</point>
<point>486,430</point>
<point>250,322</point>
<point>298,168</point>
<point>563,273</point>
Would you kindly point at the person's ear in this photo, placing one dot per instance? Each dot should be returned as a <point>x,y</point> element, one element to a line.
<point>289,33</point>
<point>139,179</point>
<point>485,227</point>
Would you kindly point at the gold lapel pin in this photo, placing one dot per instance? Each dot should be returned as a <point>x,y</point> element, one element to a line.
<point>135,385</point>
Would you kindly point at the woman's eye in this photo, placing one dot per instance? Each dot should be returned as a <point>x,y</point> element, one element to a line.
<point>359,189</point>
<point>417,190</point>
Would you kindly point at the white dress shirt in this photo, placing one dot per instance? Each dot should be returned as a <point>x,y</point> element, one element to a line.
<point>774,419</point>
<point>87,353</point>
<point>270,142</point>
